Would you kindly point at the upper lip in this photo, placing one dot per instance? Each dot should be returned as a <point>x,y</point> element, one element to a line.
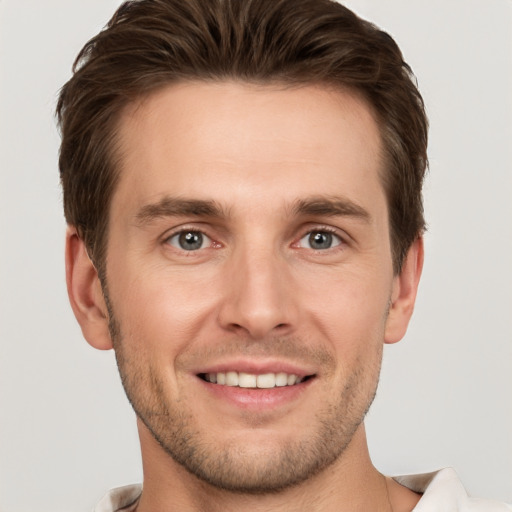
<point>257,367</point>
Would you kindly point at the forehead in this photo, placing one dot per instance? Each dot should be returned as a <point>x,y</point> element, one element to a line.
<point>188,138</point>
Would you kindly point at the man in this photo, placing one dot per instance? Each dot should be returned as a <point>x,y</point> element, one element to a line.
<point>242,184</point>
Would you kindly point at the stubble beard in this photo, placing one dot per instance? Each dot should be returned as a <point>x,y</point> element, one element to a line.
<point>238,468</point>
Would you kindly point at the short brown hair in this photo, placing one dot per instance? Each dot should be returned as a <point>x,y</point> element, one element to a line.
<point>151,43</point>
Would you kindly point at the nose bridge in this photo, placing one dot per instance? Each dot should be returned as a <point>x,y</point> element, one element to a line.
<point>260,298</point>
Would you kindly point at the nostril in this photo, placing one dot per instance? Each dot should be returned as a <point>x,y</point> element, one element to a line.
<point>236,327</point>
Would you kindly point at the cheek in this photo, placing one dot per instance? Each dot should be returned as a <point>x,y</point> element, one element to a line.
<point>156,307</point>
<point>350,312</point>
<point>350,317</point>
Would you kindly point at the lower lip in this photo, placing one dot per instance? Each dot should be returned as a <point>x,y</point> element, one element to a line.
<point>256,399</point>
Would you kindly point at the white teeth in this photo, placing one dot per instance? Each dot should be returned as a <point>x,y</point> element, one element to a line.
<point>231,378</point>
<point>267,380</point>
<point>281,379</point>
<point>249,380</point>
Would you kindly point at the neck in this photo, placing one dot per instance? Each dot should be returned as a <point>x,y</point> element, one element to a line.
<point>350,484</point>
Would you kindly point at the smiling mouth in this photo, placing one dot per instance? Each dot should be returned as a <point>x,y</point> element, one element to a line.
<point>254,381</point>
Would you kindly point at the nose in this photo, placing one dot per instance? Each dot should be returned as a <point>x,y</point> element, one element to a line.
<point>259,299</point>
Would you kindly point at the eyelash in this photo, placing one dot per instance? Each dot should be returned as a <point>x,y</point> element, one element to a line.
<point>187,230</point>
<point>326,230</point>
<point>213,244</point>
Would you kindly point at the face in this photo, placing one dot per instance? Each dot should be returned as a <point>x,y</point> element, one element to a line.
<point>249,276</point>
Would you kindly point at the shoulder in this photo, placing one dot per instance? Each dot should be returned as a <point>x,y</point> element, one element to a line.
<point>442,490</point>
<point>120,499</point>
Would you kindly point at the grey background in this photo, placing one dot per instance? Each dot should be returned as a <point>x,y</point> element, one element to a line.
<point>67,433</point>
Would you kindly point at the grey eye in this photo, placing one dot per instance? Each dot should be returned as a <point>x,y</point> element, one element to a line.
<point>319,240</point>
<point>189,240</point>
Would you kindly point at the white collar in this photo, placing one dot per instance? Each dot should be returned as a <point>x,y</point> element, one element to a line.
<point>442,492</point>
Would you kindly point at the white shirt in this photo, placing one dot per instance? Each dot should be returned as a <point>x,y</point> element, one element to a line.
<point>442,492</point>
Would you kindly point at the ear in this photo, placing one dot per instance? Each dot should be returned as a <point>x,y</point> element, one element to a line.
<point>85,294</point>
<point>403,297</point>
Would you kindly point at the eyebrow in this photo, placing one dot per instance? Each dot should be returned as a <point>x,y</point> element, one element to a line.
<point>174,207</point>
<point>330,206</point>
<point>314,206</point>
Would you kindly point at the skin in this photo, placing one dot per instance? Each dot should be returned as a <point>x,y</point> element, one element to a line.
<point>266,167</point>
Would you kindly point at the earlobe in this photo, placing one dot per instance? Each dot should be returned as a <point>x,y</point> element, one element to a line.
<point>85,294</point>
<point>405,287</point>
